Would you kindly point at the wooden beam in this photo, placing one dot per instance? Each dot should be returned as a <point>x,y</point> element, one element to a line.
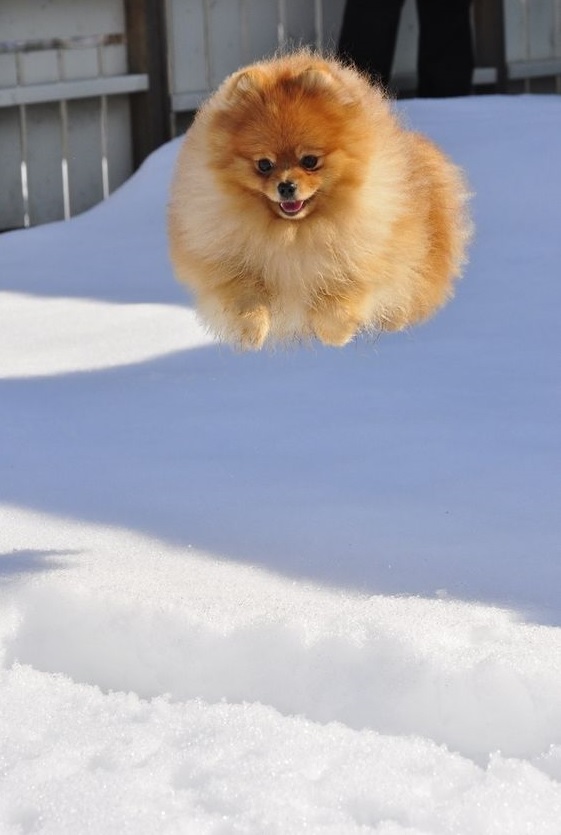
<point>490,46</point>
<point>108,85</point>
<point>181,102</point>
<point>539,68</point>
<point>146,46</point>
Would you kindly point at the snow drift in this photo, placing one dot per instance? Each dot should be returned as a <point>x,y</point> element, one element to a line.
<point>312,590</point>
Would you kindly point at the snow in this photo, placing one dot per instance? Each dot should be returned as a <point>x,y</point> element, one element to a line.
<point>314,590</point>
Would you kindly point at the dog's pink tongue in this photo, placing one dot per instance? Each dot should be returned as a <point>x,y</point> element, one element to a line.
<point>292,206</point>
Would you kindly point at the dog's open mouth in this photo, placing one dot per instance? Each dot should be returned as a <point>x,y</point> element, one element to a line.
<point>292,207</point>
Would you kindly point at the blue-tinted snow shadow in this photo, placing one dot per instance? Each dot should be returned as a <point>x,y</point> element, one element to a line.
<point>356,468</point>
<point>24,561</point>
<point>426,462</point>
<point>114,252</point>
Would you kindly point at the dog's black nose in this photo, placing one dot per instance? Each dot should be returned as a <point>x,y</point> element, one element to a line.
<point>287,189</point>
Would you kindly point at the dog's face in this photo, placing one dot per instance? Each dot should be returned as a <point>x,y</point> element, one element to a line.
<point>290,179</point>
<point>291,142</point>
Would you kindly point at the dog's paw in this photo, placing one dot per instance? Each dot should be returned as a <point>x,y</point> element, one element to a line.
<point>334,330</point>
<point>252,328</point>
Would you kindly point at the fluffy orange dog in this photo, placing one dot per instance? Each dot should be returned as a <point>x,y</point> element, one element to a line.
<point>300,207</point>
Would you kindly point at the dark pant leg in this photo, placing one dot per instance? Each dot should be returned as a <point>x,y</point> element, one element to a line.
<point>445,64</point>
<point>368,35</point>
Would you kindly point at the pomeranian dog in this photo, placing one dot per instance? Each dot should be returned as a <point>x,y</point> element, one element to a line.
<point>300,208</point>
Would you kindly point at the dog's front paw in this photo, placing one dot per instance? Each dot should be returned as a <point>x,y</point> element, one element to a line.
<point>252,328</point>
<point>334,330</point>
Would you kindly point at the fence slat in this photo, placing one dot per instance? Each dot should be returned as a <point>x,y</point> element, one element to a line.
<point>84,154</point>
<point>332,17</point>
<point>8,71</point>
<point>11,198</point>
<point>118,140</point>
<point>224,26</point>
<point>300,22</point>
<point>187,40</point>
<point>515,21</point>
<point>261,38</point>
<point>44,163</point>
<point>541,24</point>
<point>38,67</point>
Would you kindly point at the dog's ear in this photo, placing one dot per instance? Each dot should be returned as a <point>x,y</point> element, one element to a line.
<point>246,83</point>
<point>320,79</point>
<point>315,79</point>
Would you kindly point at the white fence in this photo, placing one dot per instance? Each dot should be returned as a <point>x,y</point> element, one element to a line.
<point>64,108</point>
<point>533,39</point>
<point>65,80</point>
<point>208,39</point>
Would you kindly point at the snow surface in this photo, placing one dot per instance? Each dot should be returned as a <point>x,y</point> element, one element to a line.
<point>314,590</point>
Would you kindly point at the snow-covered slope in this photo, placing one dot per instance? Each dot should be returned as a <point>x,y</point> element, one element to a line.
<point>312,590</point>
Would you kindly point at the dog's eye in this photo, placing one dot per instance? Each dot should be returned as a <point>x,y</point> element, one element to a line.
<point>265,165</point>
<point>309,162</point>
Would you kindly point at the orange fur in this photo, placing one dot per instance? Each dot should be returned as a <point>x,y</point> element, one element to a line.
<point>374,233</point>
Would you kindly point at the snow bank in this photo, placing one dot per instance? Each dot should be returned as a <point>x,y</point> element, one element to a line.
<point>313,590</point>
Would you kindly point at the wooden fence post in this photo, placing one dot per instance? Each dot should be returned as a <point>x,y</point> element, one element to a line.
<point>147,53</point>
<point>490,45</point>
